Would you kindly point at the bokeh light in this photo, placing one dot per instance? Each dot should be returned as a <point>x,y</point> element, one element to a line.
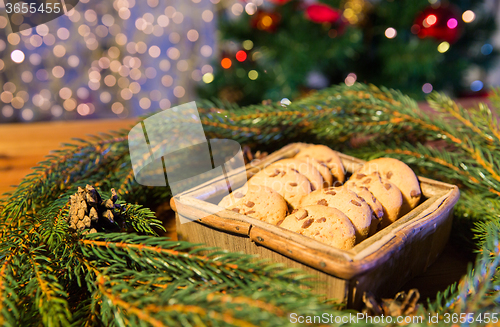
<point>476,86</point>
<point>226,63</point>
<point>17,56</point>
<point>208,78</point>
<point>452,23</point>
<point>427,88</point>
<point>350,79</point>
<point>27,114</point>
<point>486,49</point>
<point>443,47</point>
<point>468,16</point>
<point>247,45</point>
<point>241,56</point>
<point>390,33</point>
<point>431,20</point>
<point>253,75</point>
<point>7,111</point>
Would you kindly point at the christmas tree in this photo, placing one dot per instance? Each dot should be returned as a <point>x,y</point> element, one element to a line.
<point>282,48</point>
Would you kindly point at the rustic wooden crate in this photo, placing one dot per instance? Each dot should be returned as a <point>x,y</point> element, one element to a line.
<point>381,264</point>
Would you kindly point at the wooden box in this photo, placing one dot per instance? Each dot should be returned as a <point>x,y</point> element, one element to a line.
<point>381,264</point>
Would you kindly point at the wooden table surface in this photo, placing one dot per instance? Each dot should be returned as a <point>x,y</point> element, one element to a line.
<point>22,146</point>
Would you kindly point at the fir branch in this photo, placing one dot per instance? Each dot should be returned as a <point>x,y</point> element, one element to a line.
<point>480,292</point>
<point>8,297</point>
<point>449,163</point>
<point>443,103</point>
<point>170,257</point>
<point>141,219</point>
<point>50,297</point>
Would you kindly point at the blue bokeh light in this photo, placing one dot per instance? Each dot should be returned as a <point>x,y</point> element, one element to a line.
<point>486,49</point>
<point>476,85</point>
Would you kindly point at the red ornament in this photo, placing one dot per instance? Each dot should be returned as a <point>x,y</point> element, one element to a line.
<point>442,23</point>
<point>321,13</point>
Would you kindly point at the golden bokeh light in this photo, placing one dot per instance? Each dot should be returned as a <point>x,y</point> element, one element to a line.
<point>69,104</point>
<point>145,103</point>
<point>65,93</point>
<point>110,80</point>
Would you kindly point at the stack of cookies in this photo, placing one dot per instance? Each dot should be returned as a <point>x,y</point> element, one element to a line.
<point>309,194</point>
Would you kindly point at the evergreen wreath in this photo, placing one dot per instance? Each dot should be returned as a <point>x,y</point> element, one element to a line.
<point>52,275</point>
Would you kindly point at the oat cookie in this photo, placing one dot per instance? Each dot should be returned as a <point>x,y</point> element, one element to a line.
<point>353,206</point>
<point>398,173</point>
<point>386,192</point>
<point>324,224</point>
<point>289,183</point>
<point>259,202</point>
<point>234,196</point>
<point>327,156</point>
<point>323,170</point>
<point>378,210</point>
<point>303,168</point>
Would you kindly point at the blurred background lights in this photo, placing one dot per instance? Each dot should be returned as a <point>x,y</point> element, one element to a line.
<point>7,111</point>
<point>193,35</point>
<point>226,63</point>
<point>443,47</point>
<point>468,16</point>
<point>117,108</point>
<point>207,69</point>
<point>206,51</point>
<point>35,59</point>
<point>241,56</point>
<point>286,102</point>
<point>487,49</point>
<point>208,78</point>
<point>247,45</point>
<point>56,111</point>
<point>351,79</point>
<point>83,109</point>
<point>476,85</point>
<point>253,75</point>
<point>27,114</point>
<point>237,9</point>
<point>452,23</point>
<point>17,56</point>
<point>179,91</point>
<point>250,8</point>
<point>145,103</point>
<point>390,33</point>
<point>427,88</point>
<point>431,20</point>
<point>207,16</point>
<point>105,97</point>
<point>165,104</point>
<point>265,22</point>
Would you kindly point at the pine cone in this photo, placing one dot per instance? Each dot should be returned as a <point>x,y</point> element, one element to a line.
<point>88,212</point>
<point>402,304</point>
